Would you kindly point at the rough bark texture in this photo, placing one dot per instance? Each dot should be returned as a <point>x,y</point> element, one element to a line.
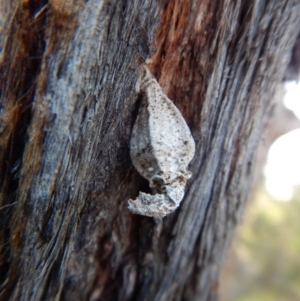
<point>68,70</point>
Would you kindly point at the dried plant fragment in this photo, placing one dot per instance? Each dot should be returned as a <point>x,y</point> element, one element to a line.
<point>161,148</point>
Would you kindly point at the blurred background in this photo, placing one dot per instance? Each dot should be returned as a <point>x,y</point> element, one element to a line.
<point>263,263</point>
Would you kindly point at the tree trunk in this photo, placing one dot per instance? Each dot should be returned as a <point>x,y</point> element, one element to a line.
<point>68,72</point>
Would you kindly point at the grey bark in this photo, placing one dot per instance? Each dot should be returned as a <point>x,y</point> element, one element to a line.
<point>68,71</point>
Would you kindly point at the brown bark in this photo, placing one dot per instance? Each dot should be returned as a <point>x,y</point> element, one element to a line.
<point>68,71</point>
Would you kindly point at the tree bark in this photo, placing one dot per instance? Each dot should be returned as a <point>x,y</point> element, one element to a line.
<point>68,71</point>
